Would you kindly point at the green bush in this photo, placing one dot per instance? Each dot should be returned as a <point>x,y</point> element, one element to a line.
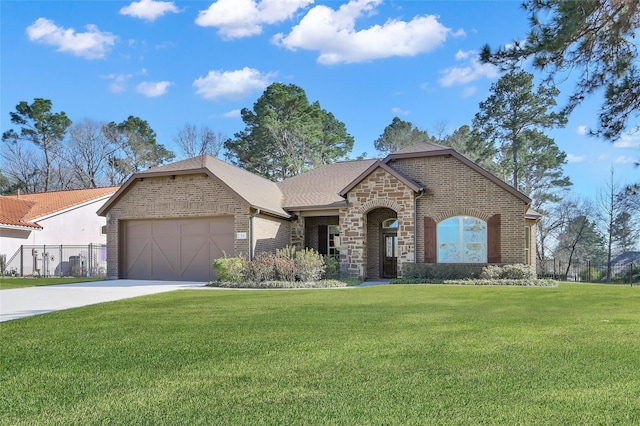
<point>230,269</point>
<point>310,265</point>
<point>589,275</point>
<point>332,267</point>
<point>439,271</point>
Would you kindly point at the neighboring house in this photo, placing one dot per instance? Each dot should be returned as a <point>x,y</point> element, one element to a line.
<point>424,204</point>
<point>52,218</point>
<point>626,259</point>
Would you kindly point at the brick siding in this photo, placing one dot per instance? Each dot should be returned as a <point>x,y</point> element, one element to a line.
<point>454,189</point>
<point>182,196</point>
<point>270,233</point>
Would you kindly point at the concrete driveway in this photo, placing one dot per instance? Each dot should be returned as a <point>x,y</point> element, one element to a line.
<point>24,302</point>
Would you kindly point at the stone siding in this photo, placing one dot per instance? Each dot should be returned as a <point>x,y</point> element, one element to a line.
<point>454,189</point>
<point>379,189</point>
<point>182,196</point>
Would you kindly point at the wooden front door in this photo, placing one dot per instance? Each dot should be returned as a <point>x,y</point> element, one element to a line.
<point>389,255</point>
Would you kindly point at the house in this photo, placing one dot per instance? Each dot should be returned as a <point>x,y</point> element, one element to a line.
<point>57,218</point>
<point>424,204</point>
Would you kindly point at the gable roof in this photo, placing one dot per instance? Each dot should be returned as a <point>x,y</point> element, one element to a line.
<point>319,187</point>
<point>24,210</point>
<point>257,191</point>
<point>381,165</point>
<point>429,149</point>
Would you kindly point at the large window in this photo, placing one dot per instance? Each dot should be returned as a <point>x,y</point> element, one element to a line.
<point>462,239</point>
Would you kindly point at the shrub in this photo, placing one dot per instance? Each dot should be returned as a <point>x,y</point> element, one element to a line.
<point>332,268</point>
<point>508,272</point>
<point>310,265</point>
<point>230,269</point>
<point>261,268</point>
<point>439,271</point>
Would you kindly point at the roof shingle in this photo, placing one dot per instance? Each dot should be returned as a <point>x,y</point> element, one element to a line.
<point>320,187</point>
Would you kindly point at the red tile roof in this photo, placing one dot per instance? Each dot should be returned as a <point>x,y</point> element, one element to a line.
<point>13,212</point>
<point>25,209</point>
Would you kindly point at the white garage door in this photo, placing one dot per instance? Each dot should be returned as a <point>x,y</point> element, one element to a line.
<point>175,249</point>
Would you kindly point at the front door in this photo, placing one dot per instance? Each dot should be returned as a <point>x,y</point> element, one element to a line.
<point>389,255</point>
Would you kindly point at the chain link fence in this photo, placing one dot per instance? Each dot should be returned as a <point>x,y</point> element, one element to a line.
<point>57,261</point>
<point>621,273</point>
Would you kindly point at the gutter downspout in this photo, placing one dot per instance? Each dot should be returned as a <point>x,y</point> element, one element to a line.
<point>415,226</point>
<point>251,242</point>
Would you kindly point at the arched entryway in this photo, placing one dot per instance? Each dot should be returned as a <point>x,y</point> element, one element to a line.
<point>382,243</point>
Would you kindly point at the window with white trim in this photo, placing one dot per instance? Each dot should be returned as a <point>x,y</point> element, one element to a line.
<point>334,241</point>
<point>462,239</point>
<point>527,244</point>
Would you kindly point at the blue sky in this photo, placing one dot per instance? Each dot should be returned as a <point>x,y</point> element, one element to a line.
<point>200,62</point>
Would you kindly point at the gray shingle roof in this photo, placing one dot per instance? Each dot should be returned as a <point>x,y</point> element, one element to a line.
<point>422,147</point>
<point>255,190</point>
<point>320,187</point>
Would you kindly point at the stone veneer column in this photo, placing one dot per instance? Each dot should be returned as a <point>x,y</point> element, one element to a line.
<point>379,189</point>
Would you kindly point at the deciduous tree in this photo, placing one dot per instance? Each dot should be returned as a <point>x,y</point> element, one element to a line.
<point>194,142</point>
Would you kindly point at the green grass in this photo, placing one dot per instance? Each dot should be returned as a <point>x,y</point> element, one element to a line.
<point>397,355</point>
<point>11,282</point>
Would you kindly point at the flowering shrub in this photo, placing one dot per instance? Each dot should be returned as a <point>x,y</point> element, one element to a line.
<point>285,265</point>
<point>309,265</point>
<point>508,272</point>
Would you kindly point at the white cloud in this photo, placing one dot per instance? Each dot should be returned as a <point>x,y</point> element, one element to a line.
<point>333,33</point>
<point>572,158</point>
<point>469,91</point>
<point>472,71</point>
<point>602,157</point>
<point>234,113</point>
<point>119,82</point>
<point>232,84</point>
<point>244,18</point>
<point>152,89</point>
<point>93,44</point>
<point>628,141</point>
<point>400,111</point>
<point>149,10</point>
<point>624,159</point>
<point>582,130</point>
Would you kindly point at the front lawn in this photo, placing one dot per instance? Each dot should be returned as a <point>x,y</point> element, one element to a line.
<point>376,355</point>
<point>11,282</point>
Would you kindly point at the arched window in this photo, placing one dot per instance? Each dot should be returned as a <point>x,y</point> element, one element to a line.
<point>390,223</point>
<point>462,239</point>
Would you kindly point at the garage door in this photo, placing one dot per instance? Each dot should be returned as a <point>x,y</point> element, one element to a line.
<point>175,249</point>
